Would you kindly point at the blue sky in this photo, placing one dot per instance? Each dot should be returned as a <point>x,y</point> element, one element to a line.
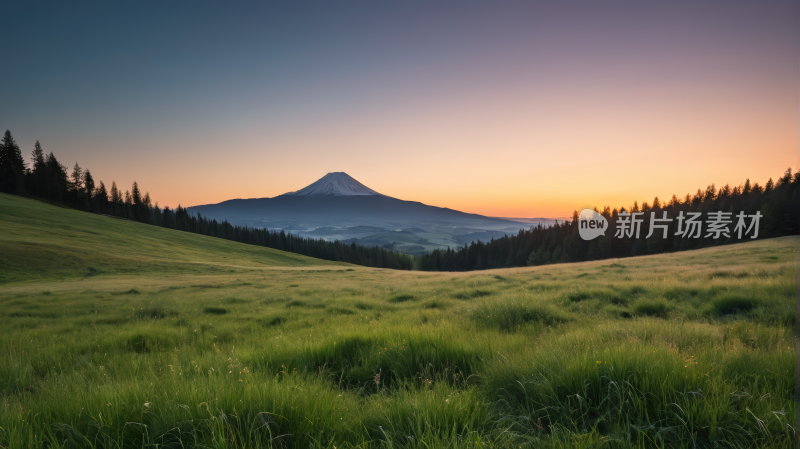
<point>487,107</point>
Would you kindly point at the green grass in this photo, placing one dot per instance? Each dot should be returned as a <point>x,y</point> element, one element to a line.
<point>179,340</point>
<point>50,243</point>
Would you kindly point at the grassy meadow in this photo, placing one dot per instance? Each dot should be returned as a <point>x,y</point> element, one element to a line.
<point>117,334</point>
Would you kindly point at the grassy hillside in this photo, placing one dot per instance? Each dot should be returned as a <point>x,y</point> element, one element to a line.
<point>118,334</point>
<point>49,243</point>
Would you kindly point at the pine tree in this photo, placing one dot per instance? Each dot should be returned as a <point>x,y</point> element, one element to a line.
<point>656,203</point>
<point>101,197</point>
<point>128,205</point>
<point>39,170</point>
<point>115,197</point>
<point>746,189</point>
<point>769,187</point>
<point>37,158</point>
<point>136,195</point>
<point>88,183</point>
<point>12,166</point>
<point>116,200</point>
<point>147,209</point>
<point>724,192</point>
<point>697,198</point>
<point>55,178</point>
<point>710,194</point>
<point>136,198</point>
<point>77,179</point>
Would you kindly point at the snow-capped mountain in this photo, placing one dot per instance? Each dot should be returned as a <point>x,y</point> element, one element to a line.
<point>334,184</point>
<point>339,207</point>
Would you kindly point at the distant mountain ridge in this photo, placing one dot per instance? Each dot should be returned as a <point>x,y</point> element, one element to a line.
<point>338,207</point>
<point>337,199</point>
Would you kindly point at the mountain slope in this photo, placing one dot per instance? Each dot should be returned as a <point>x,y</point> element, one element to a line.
<point>339,200</point>
<point>49,242</point>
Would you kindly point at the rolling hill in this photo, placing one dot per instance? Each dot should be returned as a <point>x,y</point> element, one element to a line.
<point>48,241</point>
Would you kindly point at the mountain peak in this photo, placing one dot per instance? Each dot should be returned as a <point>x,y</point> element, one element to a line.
<point>335,184</point>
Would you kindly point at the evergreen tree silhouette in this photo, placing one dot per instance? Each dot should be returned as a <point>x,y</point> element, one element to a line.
<point>136,200</point>
<point>56,178</point>
<point>101,198</point>
<point>116,200</point>
<point>12,166</point>
<point>88,187</point>
<point>77,177</point>
<point>88,183</point>
<point>38,170</point>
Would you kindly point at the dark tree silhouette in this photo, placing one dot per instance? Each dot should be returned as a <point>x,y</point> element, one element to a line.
<point>88,183</point>
<point>116,201</point>
<point>77,178</point>
<point>101,199</point>
<point>12,166</point>
<point>55,178</point>
<point>38,171</point>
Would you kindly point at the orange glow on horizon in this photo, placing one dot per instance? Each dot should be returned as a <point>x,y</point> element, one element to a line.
<point>495,117</point>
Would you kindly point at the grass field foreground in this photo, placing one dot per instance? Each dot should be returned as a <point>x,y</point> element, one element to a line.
<point>119,334</point>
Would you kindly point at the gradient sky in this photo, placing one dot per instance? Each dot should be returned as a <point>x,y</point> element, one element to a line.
<point>499,108</point>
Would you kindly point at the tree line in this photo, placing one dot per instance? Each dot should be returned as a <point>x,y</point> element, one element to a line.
<point>49,179</point>
<point>776,203</point>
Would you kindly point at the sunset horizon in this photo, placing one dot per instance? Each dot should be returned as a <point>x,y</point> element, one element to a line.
<point>520,111</point>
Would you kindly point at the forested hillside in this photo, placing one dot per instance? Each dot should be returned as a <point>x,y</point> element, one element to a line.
<point>776,203</point>
<point>49,179</point>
